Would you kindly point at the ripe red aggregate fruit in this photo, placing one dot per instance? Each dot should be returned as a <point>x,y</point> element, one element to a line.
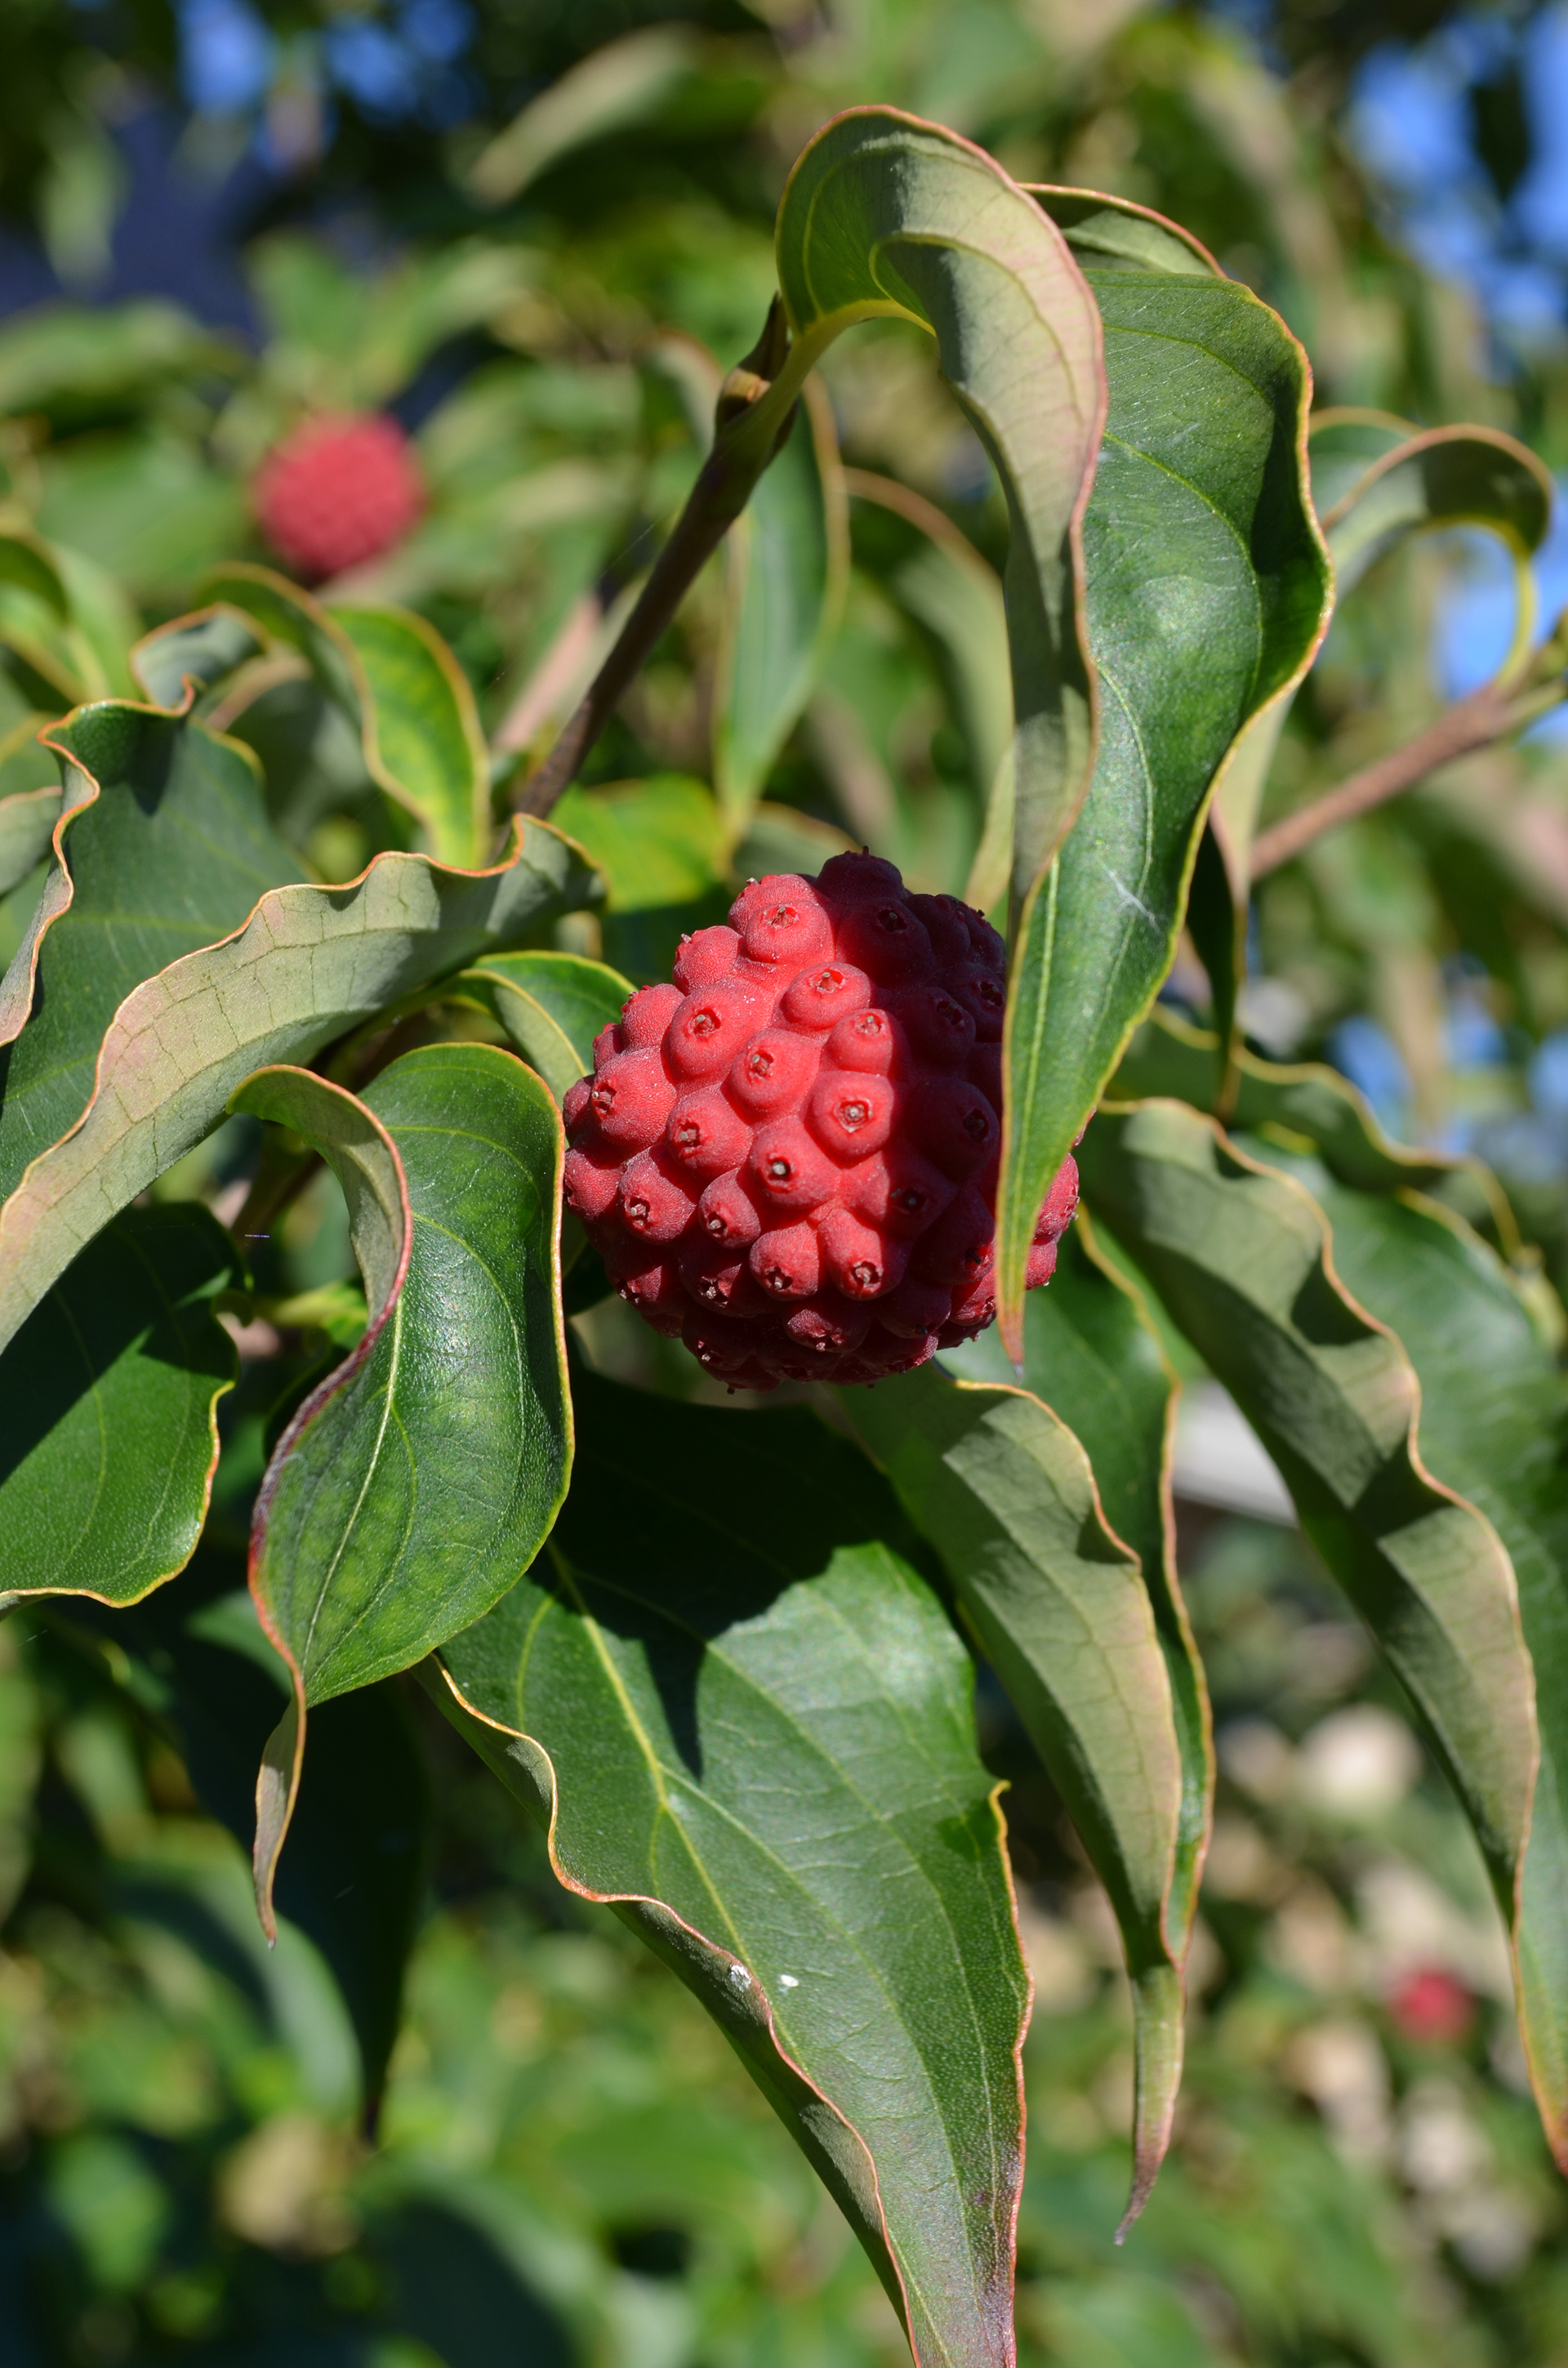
<point>789,1157</point>
<point>339,492</point>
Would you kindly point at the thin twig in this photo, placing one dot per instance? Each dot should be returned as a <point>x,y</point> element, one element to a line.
<point>746,438</point>
<point>1474,723</point>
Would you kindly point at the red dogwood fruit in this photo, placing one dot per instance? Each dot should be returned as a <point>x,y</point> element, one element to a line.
<point>789,1157</point>
<point>339,492</point>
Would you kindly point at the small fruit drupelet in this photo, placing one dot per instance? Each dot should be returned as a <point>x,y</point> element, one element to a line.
<point>789,1157</point>
<point>337,493</point>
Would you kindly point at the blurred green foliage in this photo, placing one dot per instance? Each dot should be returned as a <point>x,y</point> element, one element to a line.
<point>568,2167</point>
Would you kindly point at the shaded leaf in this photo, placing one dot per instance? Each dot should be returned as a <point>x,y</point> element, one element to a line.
<point>787,557</point>
<point>1005,1492</point>
<point>108,1399</point>
<point>416,1484</point>
<point>551,1005</point>
<point>741,1713</point>
<point>1208,592</point>
<point>1240,1258</point>
<point>309,965</point>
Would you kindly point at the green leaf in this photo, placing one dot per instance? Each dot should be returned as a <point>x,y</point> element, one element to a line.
<point>309,965</point>
<point>657,842</point>
<point>1402,481</point>
<point>1006,1493</point>
<point>886,216</point>
<point>108,1402</point>
<point>164,846</point>
<point>401,693</point>
<point>1494,1426</point>
<point>739,1712</point>
<point>423,738</point>
<point>1240,1258</point>
<point>415,1486</point>
<point>788,559</point>
<point>1208,592</point>
<point>552,1005</point>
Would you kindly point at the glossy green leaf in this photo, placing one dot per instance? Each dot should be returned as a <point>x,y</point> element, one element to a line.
<point>1493,1426</point>
<point>108,1402</point>
<point>400,689</point>
<point>885,215</point>
<point>165,845</point>
<point>1208,591</point>
<point>1241,1261</point>
<point>788,554</point>
<point>1006,1493</point>
<point>416,1484</point>
<point>422,732</point>
<point>309,965</point>
<point>738,1709</point>
<point>552,1006</point>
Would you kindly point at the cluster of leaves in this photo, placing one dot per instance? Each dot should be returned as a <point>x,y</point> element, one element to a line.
<point>622,1677</point>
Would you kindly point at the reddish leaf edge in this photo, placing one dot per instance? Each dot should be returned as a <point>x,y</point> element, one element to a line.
<point>849,2170</point>
<point>283,1757</point>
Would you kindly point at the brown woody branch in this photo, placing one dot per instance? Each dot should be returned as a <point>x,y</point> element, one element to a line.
<point>1488,715</point>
